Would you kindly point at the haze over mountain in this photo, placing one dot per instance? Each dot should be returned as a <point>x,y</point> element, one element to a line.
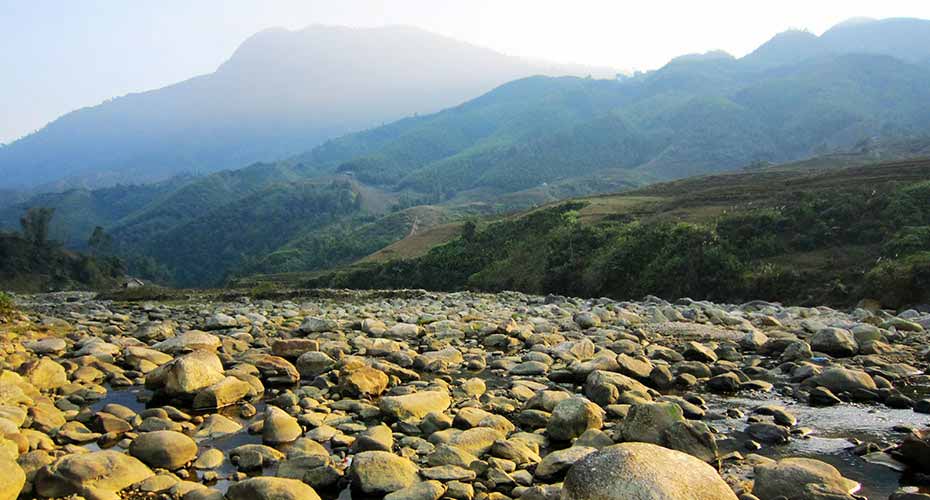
<point>529,141</point>
<point>282,92</point>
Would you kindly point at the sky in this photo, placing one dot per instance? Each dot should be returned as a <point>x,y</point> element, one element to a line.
<point>60,55</point>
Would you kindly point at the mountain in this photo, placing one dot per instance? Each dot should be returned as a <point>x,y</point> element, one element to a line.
<point>906,39</point>
<point>281,93</point>
<point>800,233</point>
<point>528,142</point>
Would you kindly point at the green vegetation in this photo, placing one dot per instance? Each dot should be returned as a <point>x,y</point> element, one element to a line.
<point>31,262</point>
<point>7,307</point>
<point>528,143</point>
<point>808,238</point>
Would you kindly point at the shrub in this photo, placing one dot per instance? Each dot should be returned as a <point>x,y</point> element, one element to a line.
<point>900,282</point>
<point>6,306</point>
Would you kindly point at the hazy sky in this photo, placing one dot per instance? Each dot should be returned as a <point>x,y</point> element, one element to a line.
<point>60,55</point>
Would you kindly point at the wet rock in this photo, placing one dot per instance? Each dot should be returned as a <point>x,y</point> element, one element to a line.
<point>768,433</point>
<point>643,471</point>
<point>790,477</point>
<point>164,449</point>
<point>725,383</point>
<point>279,427</point>
<point>187,374</point>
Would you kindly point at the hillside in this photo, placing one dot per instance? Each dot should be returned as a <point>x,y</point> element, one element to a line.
<point>799,234</point>
<point>529,142</point>
<point>281,93</point>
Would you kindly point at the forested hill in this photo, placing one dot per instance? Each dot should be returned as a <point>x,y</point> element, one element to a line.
<point>530,141</point>
<point>799,234</point>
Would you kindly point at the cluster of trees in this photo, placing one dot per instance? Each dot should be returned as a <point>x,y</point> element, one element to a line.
<point>31,261</point>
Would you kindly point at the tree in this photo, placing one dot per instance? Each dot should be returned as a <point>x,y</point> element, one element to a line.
<point>469,230</point>
<point>36,223</point>
<point>99,241</point>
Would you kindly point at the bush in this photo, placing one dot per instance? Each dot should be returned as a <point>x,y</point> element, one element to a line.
<point>6,306</point>
<point>900,282</point>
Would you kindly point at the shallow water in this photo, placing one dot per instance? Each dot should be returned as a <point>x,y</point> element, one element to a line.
<point>833,427</point>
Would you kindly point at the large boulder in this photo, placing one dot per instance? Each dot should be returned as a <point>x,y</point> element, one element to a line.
<point>164,449</point>
<point>271,488</point>
<point>93,475</point>
<point>380,472</point>
<point>792,478</point>
<point>642,471</point>
<point>187,374</point>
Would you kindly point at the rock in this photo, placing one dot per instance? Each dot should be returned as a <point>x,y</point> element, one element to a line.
<point>647,423</point>
<point>271,488</point>
<point>768,433</point>
<point>605,387</point>
<point>279,427</point>
<point>787,478</point>
<point>377,438</point>
<point>317,325</point>
<point>380,472</point>
<point>558,462</point>
<point>220,321</point>
<point>725,383</point>
<point>97,472</point>
<point>476,441</point>
<point>587,320</point>
<point>44,374</point>
<point>643,471</point>
<point>191,341</point>
<point>294,348</point>
<point>226,392</point>
<point>573,416</point>
<point>314,363</point>
<point>12,480</point>
<point>187,375</point>
<point>699,352</point>
<point>835,342</point>
<point>164,449</point>
<point>364,382</point>
<point>210,459</point>
<point>414,406</point>
<point>838,379</point>
<point>427,490</point>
